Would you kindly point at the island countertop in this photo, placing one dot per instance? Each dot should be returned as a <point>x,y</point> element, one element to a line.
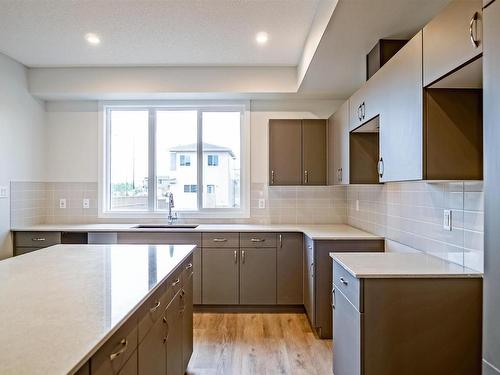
<point>59,304</point>
<point>400,265</point>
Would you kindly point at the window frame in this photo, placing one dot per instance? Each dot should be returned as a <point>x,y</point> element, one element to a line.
<point>104,186</point>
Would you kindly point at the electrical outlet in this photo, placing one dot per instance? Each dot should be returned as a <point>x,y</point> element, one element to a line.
<point>4,192</point>
<point>262,203</point>
<point>86,203</point>
<point>62,203</point>
<point>357,204</point>
<point>447,220</point>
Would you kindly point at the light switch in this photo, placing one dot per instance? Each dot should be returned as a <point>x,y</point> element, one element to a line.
<point>62,203</point>
<point>447,220</point>
<point>86,203</point>
<point>4,192</point>
<point>262,203</point>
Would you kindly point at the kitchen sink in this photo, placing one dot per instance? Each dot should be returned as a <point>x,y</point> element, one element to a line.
<point>166,226</point>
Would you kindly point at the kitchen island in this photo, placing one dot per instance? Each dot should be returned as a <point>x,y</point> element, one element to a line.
<point>97,309</point>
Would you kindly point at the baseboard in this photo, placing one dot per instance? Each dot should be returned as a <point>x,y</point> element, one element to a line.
<point>250,308</point>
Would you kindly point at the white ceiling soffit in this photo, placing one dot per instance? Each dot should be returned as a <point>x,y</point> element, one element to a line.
<point>50,33</point>
<point>338,67</point>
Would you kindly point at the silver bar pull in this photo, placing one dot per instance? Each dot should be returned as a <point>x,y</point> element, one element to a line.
<point>124,344</point>
<point>343,281</point>
<point>235,256</point>
<point>220,239</point>
<point>272,177</point>
<point>155,307</point>
<point>38,239</point>
<point>473,25</point>
<point>281,240</point>
<point>258,240</point>
<point>381,167</point>
<point>243,256</point>
<point>189,266</point>
<point>306,177</point>
<point>176,282</point>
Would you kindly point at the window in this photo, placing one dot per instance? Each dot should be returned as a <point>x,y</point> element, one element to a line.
<point>213,160</point>
<point>185,160</point>
<point>153,151</point>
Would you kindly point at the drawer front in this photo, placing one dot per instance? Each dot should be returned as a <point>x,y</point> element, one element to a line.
<point>150,312</point>
<point>187,269</point>
<point>173,286</point>
<point>114,353</point>
<point>220,240</point>
<point>37,239</point>
<point>261,239</point>
<point>348,285</point>
<point>160,238</point>
<point>25,250</point>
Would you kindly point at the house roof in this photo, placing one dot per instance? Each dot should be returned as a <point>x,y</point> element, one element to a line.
<point>207,147</point>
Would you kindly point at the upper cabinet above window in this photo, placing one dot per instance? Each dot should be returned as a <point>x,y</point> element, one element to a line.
<point>452,38</point>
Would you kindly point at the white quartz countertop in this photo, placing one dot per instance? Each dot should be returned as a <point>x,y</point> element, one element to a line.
<point>58,305</point>
<point>316,232</point>
<point>400,265</point>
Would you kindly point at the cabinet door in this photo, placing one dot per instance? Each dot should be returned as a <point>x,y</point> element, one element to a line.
<point>447,39</point>
<point>197,276</point>
<point>492,180</point>
<point>347,337</point>
<point>187,321</point>
<point>314,152</point>
<point>285,158</point>
<point>152,349</point>
<point>258,276</point>
<point>130,368</point>
<point>309,280</point>
<point>220,276</point>
<point>338,146</point>
<point>401,124</point>
<point>174,336</point>
<point>289,269</point>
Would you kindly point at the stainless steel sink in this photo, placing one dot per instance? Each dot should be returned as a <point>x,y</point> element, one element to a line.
<point>166,226</point>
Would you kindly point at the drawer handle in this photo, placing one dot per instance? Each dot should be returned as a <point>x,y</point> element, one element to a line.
<point>155,307</point>
<point>124,344</point>
<point>258,240</point>
<point>176,282</point>
<point>220,239</point>
<point>343,281</point>
<point>38,239</point>
<point>243,256</point>
<point>281,240</point>
<point>189,266</point>
<point>473,22</point>
<point>235,256</point>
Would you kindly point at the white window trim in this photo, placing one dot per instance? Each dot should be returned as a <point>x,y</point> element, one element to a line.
<point>202,213</point>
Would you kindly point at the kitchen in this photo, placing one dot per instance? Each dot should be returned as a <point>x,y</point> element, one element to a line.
<point>309,196</point>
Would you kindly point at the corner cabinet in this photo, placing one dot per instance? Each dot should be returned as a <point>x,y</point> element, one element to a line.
<point>297,152</point>
<point>338,146</point>
<point>452,39</point>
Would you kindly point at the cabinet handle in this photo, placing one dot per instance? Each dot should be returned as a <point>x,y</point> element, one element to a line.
<point>176,282</point>
<point>381,167</point>
<point>235,256</point>
<point>473,25</point>
<point>258,240</point>
<point>124,344</point>
<point>243,256</point>
<point>220,240</point>
<point>189,266</point>
<point>333,298</point>
<point>343,281</point>
<point>281,240</point>
<point>312,270</point>
<point>306,177</point>
<point>363,110</point>
<point>272,177</point>
<point>359,113</point>
<point>38,239</point>
<point>155,307</point>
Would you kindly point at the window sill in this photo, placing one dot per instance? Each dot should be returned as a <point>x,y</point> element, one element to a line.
<point>181,215</point>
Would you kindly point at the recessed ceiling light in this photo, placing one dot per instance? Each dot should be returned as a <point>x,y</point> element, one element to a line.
<point>92,39</point>
<point>262,38</point>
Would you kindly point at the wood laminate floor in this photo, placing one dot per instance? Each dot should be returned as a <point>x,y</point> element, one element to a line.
<point>254,343</point>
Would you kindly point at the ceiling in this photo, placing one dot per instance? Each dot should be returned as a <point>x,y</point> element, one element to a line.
<point>338,67</point>
<point>48,33</point>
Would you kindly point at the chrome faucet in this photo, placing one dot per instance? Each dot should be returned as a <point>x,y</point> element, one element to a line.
<point>171,217</point>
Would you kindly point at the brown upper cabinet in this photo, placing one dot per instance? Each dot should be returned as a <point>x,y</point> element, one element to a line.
<point>297,152</point>
<point>452,38</point>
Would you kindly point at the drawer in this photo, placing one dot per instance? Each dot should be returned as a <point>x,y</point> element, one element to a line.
<point>221,240</point>
<point>172,287</point>
<point>37,239</point>
<point>25,250</point>
<point>348,285</point>
<point>261,239</point>
<point>113,355</point>
<point>150,312</point>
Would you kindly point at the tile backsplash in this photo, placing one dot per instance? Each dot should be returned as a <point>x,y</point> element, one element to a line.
<point>409,213</point>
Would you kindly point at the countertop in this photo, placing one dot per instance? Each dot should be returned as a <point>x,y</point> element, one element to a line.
<point>316,232</point>
<point>400,265</point>
<point>60,304</point>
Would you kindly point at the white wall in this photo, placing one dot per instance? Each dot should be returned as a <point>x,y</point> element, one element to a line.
<point>22,138</point>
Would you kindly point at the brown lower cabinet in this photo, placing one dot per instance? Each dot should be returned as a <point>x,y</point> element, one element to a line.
<point>158,338</point>
<point>318,277</point>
